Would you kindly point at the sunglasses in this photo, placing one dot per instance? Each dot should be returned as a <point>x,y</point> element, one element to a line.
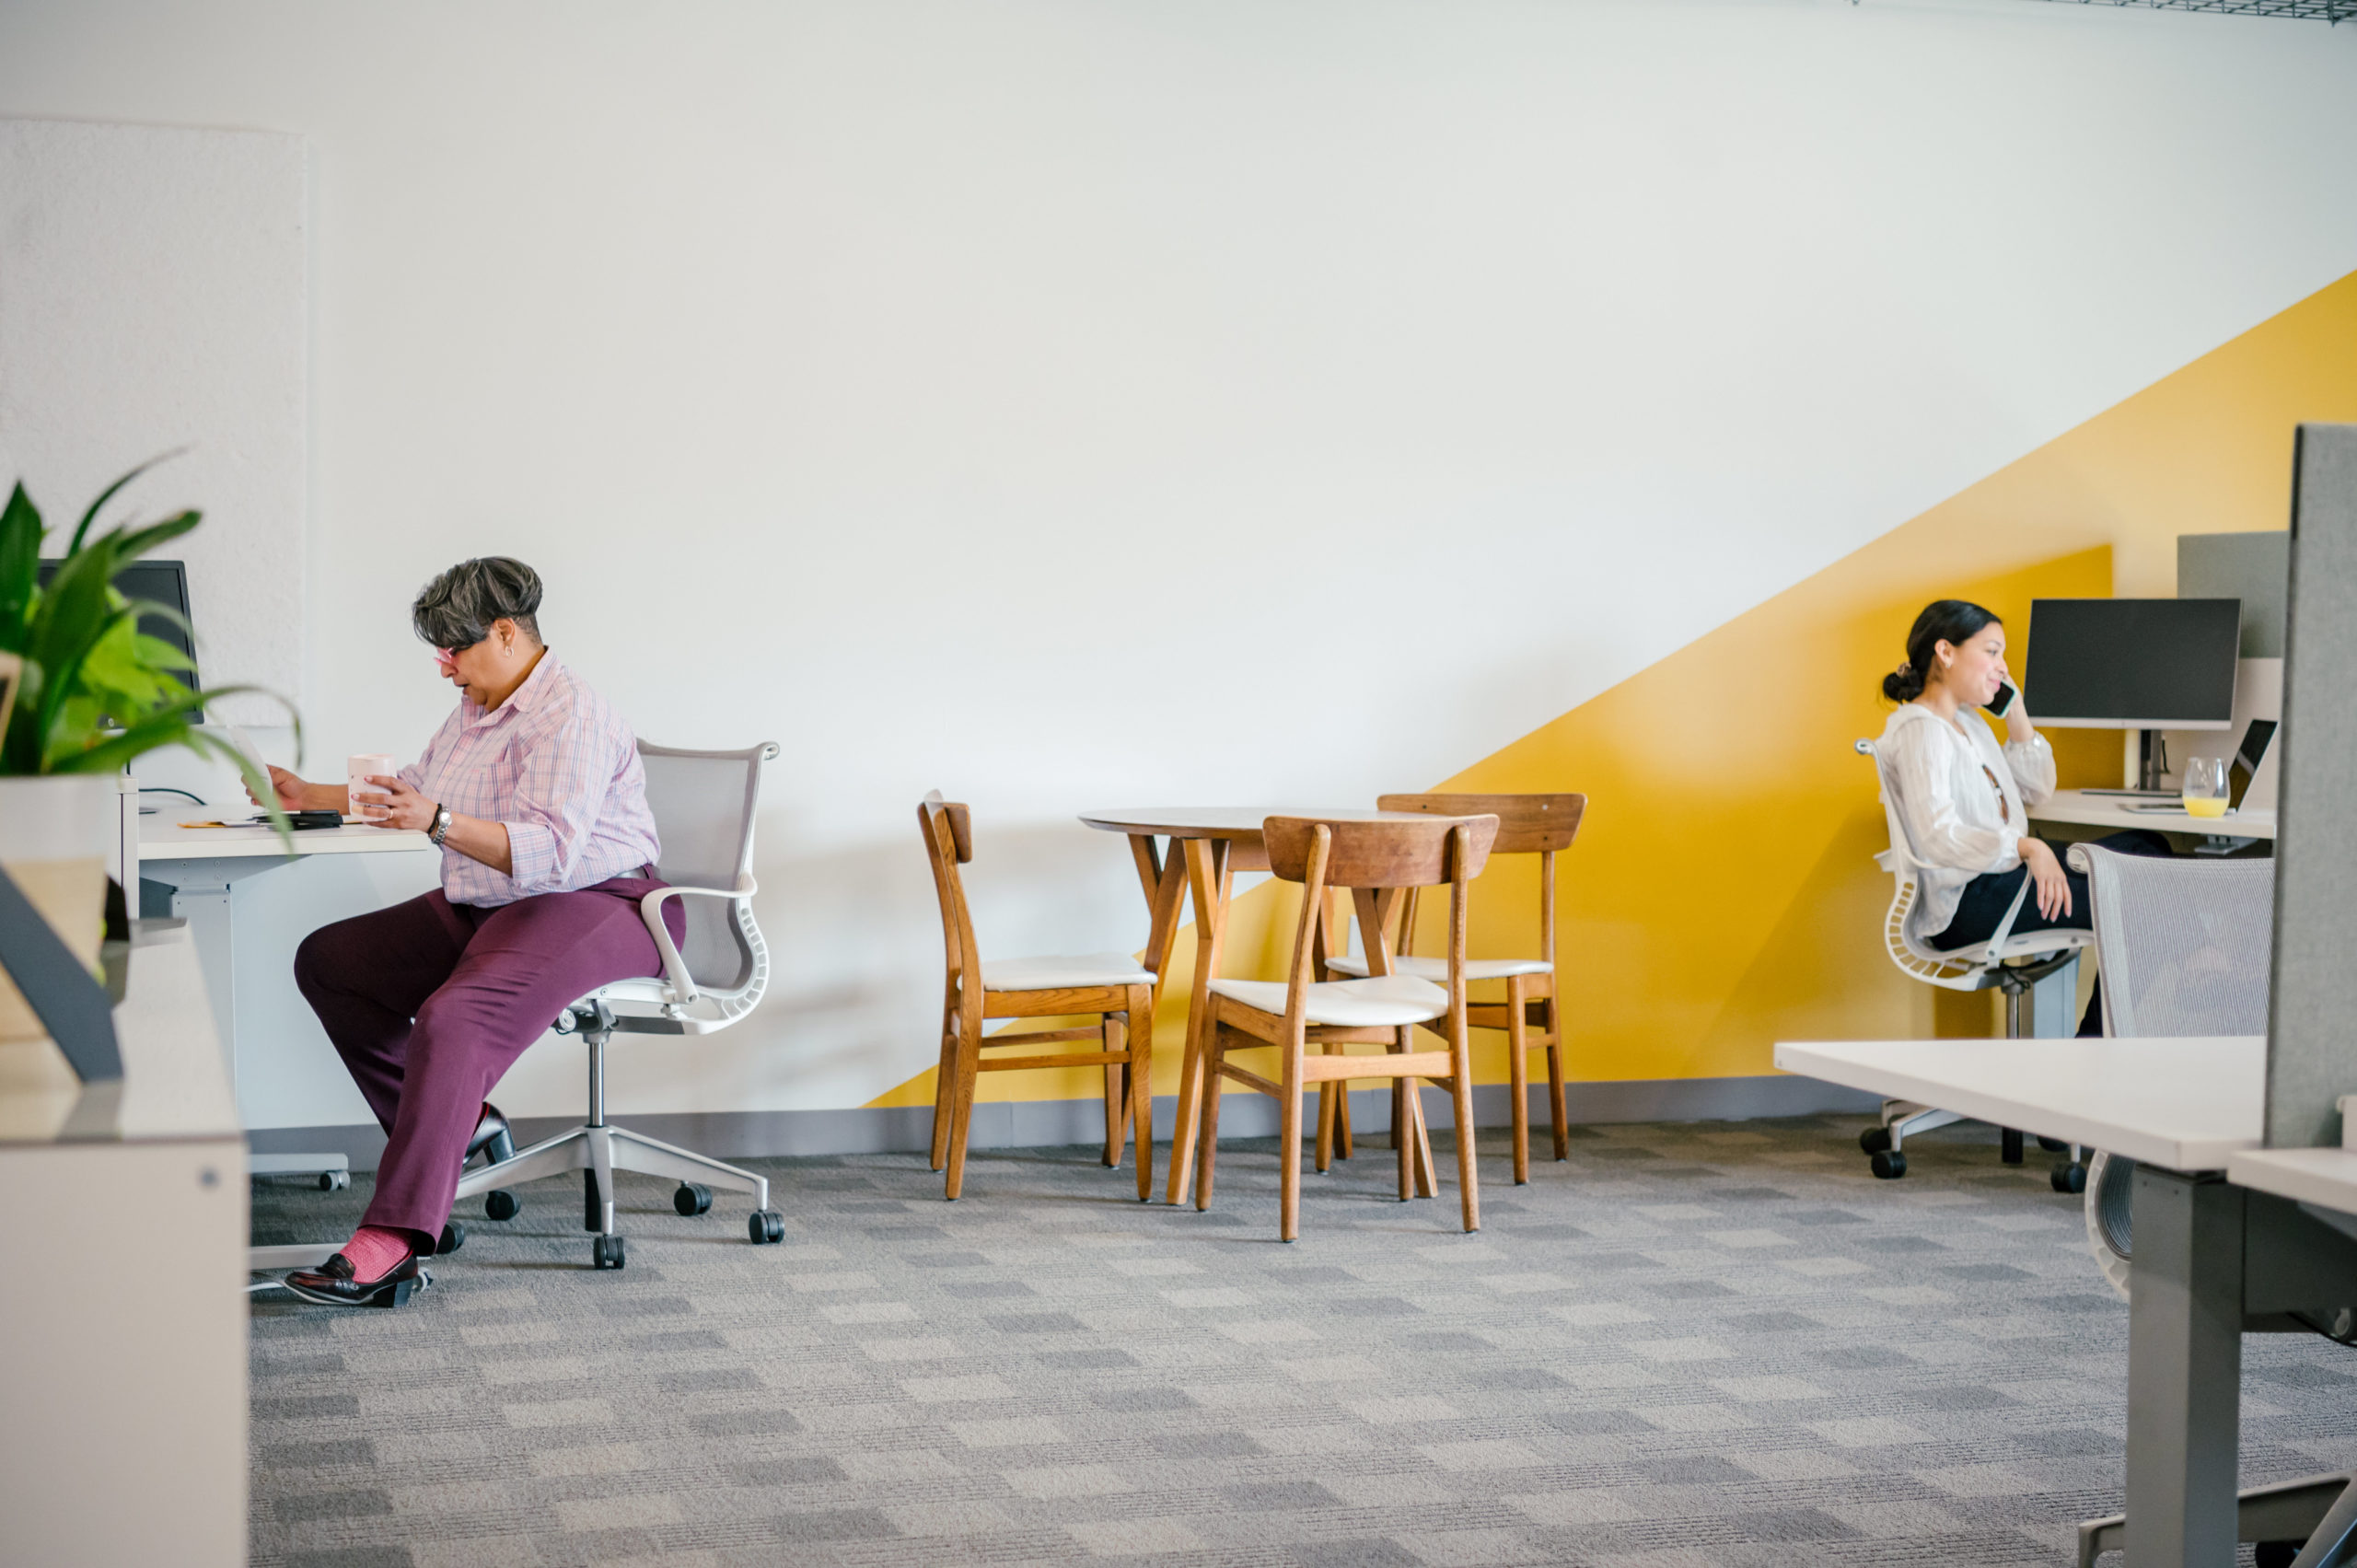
<point>2004,807</point>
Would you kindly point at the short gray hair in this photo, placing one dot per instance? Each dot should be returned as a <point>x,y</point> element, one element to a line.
<point>456,610</point>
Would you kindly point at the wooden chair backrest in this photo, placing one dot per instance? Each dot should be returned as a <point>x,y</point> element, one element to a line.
<point>948,831</point>
<point>1380,854</point>
<point>1527,824</point>
<point>1374,861</point>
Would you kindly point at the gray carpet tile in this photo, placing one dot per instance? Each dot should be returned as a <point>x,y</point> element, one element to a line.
<point>1687,1346</point>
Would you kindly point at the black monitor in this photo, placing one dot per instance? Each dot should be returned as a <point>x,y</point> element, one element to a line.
<point>2133,663</point>
<point>160,582</point>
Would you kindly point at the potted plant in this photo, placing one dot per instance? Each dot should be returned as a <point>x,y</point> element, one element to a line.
<point>92,693</point>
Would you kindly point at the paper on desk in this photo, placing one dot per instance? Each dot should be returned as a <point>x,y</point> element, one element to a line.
<point>248,750</point>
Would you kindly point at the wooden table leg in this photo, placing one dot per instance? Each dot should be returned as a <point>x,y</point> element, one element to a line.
<point>1207,881</point>
<point>1163,879</point>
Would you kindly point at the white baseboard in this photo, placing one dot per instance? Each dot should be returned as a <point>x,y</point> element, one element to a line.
<point>1011,1124</point>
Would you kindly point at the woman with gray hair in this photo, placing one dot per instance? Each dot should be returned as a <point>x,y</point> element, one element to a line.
<point>533,791</point>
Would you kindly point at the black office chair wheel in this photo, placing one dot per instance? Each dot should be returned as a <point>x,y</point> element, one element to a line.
<point>1874,1140</point>
<point>454,1235</point>
<point>334,1180</point>
<point>2069,1177</point>
<point>606,1251</point>
<point>2276,1553</point>
<point>765,1227</point>
<point>2051,1145</point>
<point>1890,1164</point>
<point>691,1199</point>
<point>501,1204</point>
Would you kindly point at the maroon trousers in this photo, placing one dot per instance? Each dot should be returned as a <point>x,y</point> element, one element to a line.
<point>429,1003</point>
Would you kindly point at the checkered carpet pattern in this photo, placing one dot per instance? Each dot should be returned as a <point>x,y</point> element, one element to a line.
<point>1689,1345</point>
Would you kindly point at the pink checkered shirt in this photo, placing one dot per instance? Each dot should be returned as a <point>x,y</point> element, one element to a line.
<point>560,769</point>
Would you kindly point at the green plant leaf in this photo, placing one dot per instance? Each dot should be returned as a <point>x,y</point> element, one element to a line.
<point>96,692</point>
<point>132,543</point>
<point>21,534</point>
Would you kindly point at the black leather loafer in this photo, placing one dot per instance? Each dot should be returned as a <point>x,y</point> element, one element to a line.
<point>491,1138</point>
<point>331,1285</point>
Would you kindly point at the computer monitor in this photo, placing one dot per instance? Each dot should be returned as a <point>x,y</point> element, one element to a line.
<point>2133,663</point>
<point>158,582</point>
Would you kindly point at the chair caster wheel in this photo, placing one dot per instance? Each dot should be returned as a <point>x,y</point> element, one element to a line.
<point>691,1199</point>
<point>606,1252</point>
<point>1874,1140</point>
<point>765,1227</point>
<point>334,1180</point>
<point>454,1235</point>
<point>500,1204</point>
<point>1890,1164</point>
<point>2051,1145</point>
<point>2068,1177</point>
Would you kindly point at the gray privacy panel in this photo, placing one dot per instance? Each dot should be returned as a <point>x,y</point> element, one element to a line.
<point>2312,1042</point>
<point>2253,567</point>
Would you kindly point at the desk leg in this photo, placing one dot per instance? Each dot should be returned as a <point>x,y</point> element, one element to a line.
<point>2185,1323</point>
<point>1207,880</point>
<point>206,907</point>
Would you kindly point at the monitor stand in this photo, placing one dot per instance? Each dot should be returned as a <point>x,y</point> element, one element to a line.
<point>2151,760</point>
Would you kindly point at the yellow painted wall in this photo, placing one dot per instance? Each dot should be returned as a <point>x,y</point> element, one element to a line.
<point>1722,895</point>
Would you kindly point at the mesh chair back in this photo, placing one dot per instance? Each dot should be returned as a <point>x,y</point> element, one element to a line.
<point>2184,945</point>
<point>703,803</point>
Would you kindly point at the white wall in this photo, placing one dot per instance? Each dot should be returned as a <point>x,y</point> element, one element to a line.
<point>1073,404</point>
<point>152,296</point>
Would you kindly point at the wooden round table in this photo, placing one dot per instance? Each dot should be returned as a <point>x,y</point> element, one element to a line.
<point>1209,845</point>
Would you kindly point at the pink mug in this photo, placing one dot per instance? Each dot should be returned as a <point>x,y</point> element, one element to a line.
<point>358,770</point>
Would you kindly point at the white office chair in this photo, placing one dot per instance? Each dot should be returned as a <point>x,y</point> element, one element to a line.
<point>2183,949</point>
<point>703,803</point>
<point>1997,962</point>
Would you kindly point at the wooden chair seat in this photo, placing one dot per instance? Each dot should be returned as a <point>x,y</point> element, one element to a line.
<point>1088,972</point>
<point>1383,1003</point>
<point>1436,970</point>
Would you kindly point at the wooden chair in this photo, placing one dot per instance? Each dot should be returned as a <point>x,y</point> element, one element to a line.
<point>1375,861</point>
<point>1531,1013</point>
<point>1110,984</point>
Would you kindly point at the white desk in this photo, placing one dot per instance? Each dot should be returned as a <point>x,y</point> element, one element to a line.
<point>203,865</point>
<point>2326,1177</point>
<point>2110,812</point>
<point>2208,1262</point>
<point>124,1433</point>
<point>2185,1104</point>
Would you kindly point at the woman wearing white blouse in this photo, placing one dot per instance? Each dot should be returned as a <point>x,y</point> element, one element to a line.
<point>1964,800</point>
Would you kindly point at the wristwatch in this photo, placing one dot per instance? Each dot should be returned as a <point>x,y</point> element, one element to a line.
<point>441,829</point>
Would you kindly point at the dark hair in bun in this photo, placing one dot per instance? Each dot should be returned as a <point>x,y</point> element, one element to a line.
<point>1949,620</point>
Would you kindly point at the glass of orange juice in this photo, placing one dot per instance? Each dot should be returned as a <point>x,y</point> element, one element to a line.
<point>2204,789</point>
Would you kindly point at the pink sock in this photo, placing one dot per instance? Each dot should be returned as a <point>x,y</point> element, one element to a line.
<point>376,1252</point>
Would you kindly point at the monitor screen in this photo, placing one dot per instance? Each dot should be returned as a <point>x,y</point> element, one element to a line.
<point>2133,663</point>
<point>159,582</point>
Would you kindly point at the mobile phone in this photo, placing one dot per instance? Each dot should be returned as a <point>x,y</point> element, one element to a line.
<point>2002,701</point>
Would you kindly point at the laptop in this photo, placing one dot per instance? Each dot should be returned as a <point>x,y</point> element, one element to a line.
<point>2256,737</point>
